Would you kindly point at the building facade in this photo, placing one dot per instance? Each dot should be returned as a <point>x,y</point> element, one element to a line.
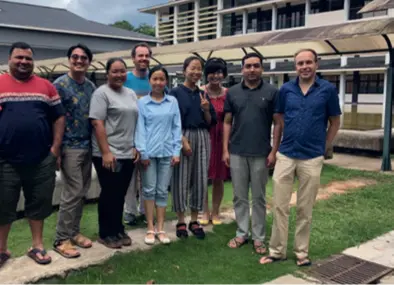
<point>360,79</point>
<point>51,31</point>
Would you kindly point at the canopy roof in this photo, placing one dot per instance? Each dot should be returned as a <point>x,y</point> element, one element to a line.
<point>377,5</point>
<point>346,38</point>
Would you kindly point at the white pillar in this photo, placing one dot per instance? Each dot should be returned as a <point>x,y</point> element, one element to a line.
<point>175,35</point>
<point>346,8</point>
<point>245,22</point>
<point>196,16</point>
<point>384,97</point>
<point>272,79</point>
<point>219,24</point>
<point>272,64</point>
<point>281,79</point>
<point>342,95</point>
<point>307,11</point>
<point>157,25</point>
<point>274,17</point>
<point>343,60</point>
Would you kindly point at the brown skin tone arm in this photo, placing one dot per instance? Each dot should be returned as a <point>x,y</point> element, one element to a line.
<point>332,129</point>
<point>99,131</point>
<point>207,117</point>
<point>278,128</point>
<point>228,119</point>
<point>58,131</point>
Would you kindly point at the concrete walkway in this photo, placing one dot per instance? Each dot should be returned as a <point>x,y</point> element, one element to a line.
<point>356,162</point>
<point>25,270</point>
<point>379,250</point>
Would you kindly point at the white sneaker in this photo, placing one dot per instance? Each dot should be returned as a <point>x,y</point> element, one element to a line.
<point>164,240</point>
<point>150,241</point>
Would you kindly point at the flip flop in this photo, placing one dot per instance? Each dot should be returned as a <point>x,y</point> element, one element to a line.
<point>303,262</point>
<point>32,253</point>
<point>272,259</point>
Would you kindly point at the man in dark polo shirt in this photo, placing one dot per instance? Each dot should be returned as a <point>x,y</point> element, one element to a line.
<point>305,105</point>
<point>249,113</point>
<point>31,132</point>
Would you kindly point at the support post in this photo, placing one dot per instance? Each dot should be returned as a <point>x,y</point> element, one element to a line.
<point>274,17</point>
<point>342,95</point>
<point>384,98</point>
<point>157,24</point>
<point>196,20</point>
<point>175,35</point>
<point>219,25</point>
<point>386,160</point>
<point>244,22</point>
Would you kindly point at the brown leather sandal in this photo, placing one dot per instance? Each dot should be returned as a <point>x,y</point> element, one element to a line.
<point>237,243</point>
<point>81,241</point>
<point>64,248</point>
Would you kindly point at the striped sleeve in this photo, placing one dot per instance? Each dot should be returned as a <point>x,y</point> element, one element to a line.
<point>55,103</point>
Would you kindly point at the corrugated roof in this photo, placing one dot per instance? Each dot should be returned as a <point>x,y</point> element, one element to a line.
<point>350,37</point>
<point>377,5</point>
<point>13,14</point>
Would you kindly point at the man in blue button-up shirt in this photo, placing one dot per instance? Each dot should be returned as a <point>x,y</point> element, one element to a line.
<point>306,104</point>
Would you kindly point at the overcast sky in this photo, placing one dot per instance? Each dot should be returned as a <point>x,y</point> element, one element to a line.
<point>104,11</point>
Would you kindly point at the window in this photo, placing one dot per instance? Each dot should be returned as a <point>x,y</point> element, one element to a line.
<point>232,24</point>
<point>321,6</point>
<point>333,79</point>
<point>259,21</point>
<point>369,83</point>
<point>291,16</point>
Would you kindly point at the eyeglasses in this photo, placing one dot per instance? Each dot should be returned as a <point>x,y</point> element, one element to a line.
<point>81,57</point>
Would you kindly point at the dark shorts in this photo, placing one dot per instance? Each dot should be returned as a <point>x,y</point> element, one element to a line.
<point>37,182</point>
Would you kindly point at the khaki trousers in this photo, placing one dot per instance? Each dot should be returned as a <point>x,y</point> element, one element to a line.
<point>308,173</point>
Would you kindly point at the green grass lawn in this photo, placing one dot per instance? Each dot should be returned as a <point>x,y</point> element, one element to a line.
<point>20,239</point>
<point>338,223</point>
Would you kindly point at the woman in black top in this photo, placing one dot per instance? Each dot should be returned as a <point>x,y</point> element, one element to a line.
<point>190,178</point>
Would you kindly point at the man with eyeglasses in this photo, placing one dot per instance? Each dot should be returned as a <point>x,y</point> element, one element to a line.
<point>75,91</point>
<point>305,105</point>
<point>249,113</point>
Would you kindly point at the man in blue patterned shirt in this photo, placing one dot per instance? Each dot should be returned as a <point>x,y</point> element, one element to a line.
<point>305,106</point>
<point>75,91</point>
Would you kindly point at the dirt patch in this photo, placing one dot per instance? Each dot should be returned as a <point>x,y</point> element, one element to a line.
<point>337,188</point>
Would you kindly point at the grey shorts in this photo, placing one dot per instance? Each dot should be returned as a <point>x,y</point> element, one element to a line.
<point>37,182</point>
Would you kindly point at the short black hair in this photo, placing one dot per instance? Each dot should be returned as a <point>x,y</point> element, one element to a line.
<point>158,68</point>
<point>20,45</point>
<point>145,45</point>
<point>307,49</point>
<point>82,47</point>
<point>215,64</point>
<point>111,61</point>
<point>250,55</point>
<point>188,60</point>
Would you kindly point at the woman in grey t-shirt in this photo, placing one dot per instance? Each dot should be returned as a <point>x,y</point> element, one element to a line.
<point>114,113</point>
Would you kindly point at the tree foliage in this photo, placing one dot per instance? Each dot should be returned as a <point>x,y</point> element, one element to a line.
<point>143,28</point>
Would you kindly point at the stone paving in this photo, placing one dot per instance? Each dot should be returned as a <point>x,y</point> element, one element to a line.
<point>356,162</point>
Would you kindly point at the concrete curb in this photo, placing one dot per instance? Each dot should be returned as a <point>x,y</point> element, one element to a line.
<point>24,270</point>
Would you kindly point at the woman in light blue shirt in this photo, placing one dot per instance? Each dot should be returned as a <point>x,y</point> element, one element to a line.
<point>159,140</point>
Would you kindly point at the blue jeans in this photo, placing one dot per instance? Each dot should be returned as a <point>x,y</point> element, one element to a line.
<point>155,180</point>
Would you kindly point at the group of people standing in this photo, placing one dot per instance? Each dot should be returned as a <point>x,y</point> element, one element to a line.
<point>145,140</point>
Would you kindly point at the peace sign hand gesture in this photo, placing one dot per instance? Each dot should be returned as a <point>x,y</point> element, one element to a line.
<point>204,103</point>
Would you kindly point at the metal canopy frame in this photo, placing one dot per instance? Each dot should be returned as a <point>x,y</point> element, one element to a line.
<point>356,37</point>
